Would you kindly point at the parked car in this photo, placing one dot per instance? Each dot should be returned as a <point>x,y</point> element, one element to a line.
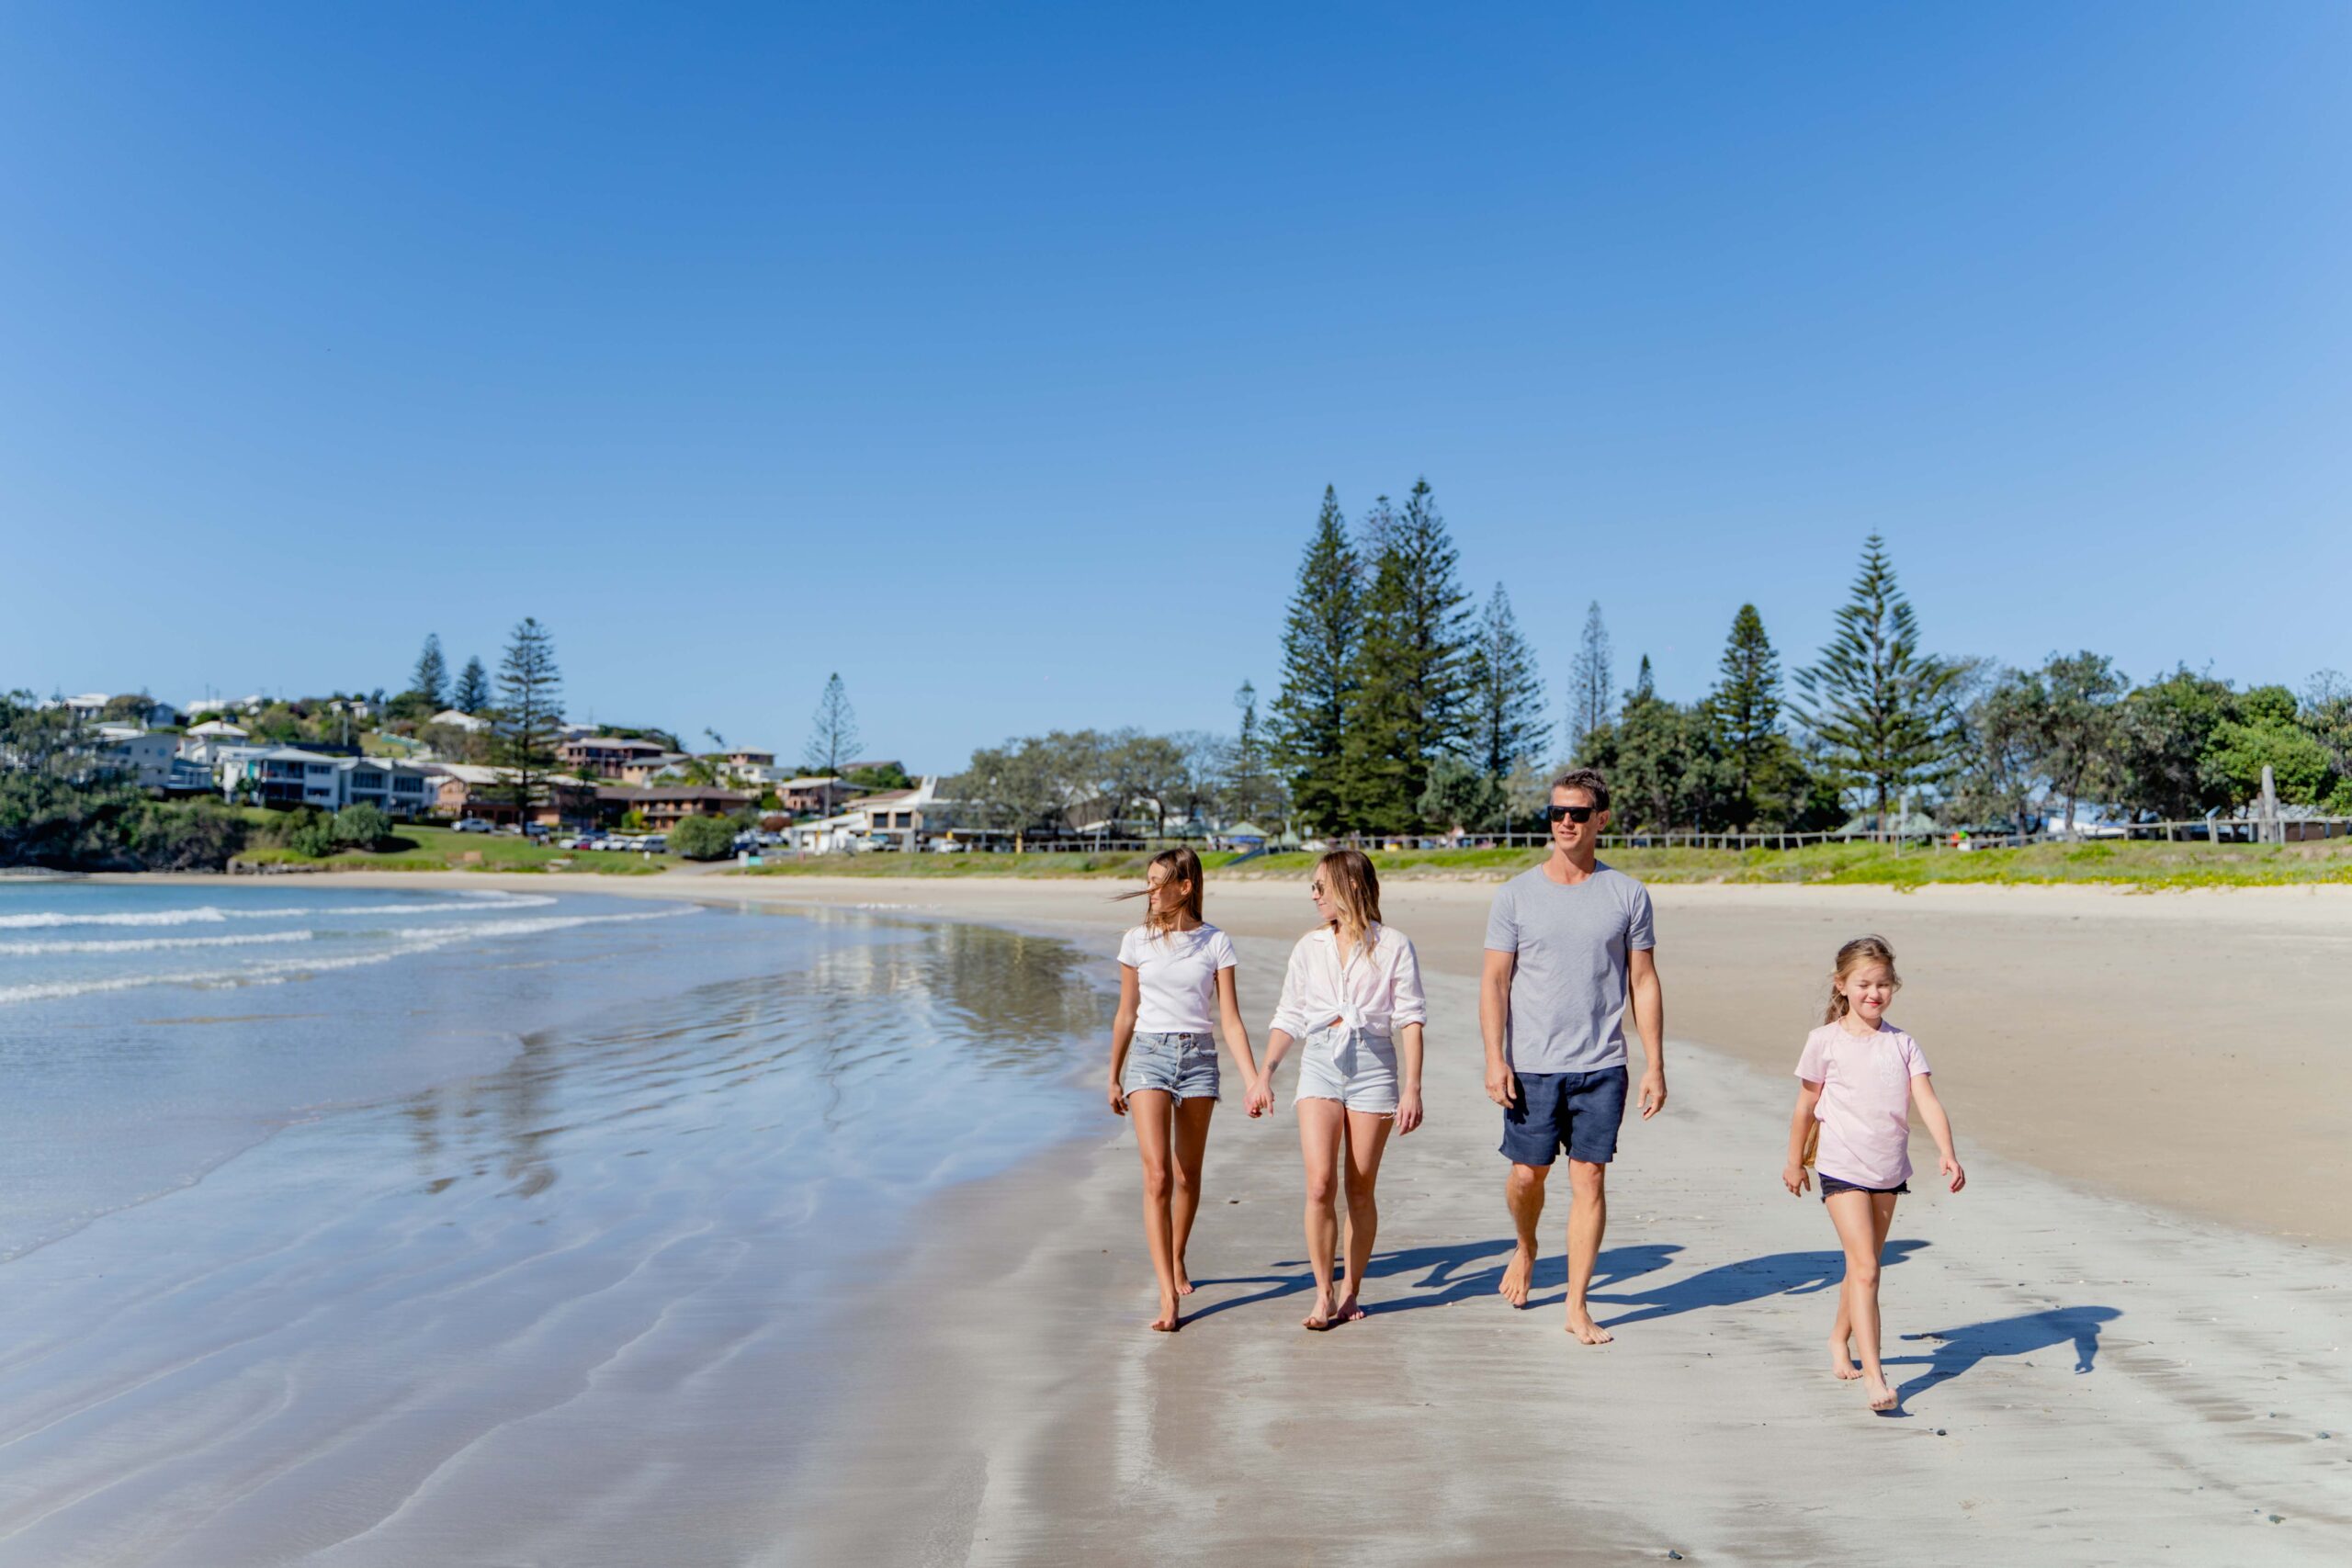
<point>469,825</point>
<point>875,843</point>
<point>653,843</point>
<point>948,847</point>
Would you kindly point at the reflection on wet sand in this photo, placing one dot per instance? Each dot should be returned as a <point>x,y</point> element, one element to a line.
<point>611,1259</point>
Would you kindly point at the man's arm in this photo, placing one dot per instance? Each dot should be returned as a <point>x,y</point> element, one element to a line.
<point>1649,1018</point>
<point>1493,1024</point>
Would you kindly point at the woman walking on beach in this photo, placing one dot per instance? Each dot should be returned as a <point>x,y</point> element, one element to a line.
<point>1175,980</point>
<point>1858,1079</point>
<point>1353,998</point>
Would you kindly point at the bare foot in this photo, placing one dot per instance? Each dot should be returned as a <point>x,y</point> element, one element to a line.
<point>1348,1311</point>
<point>1183,1278</point>
<point>1167,1322</point>
<point>1841,1360</point>
<point>1581,1323</point>
<point>1881,1397</point>
<point>1319,1318</point>
<point>1515,1276</point>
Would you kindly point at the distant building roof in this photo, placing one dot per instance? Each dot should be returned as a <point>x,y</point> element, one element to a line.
<point>220,730</point>
<point>458,719</point>
<point>681,796</point>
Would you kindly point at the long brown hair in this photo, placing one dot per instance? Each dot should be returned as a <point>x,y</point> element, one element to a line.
<point>1351,881</point>
<point>1183,866</point>
<point>1852,957</point>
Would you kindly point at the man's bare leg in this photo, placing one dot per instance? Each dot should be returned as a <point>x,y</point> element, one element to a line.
<point>1523,1191</point>
<point>1588,1217</point>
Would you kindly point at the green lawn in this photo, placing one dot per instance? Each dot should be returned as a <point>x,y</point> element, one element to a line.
<point>2143,864</point>
<point>438,849</point>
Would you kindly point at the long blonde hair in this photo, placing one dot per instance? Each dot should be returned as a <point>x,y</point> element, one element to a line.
<point>1183,865</point>
<point>1852,957</point>
<point>1353,885</point>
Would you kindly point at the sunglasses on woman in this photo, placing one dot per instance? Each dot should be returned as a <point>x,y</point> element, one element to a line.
<point>1573,813</point>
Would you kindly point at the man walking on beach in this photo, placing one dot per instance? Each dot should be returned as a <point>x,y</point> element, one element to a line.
<point>1568,946</point>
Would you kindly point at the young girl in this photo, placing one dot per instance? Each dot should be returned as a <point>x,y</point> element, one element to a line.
<point>1856,1081</point>
<point>1353,994</point>
<point>1175,975</point>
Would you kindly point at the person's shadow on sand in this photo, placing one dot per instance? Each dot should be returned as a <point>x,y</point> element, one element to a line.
<point>1957,1350</point>
<point>1444,1275</point>
<point>1749,1280</point>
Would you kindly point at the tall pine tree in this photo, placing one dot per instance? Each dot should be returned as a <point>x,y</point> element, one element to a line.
<point>530,714</point>
<point>1506,692</point>
<point>432,677</point>
<point>1883,710</point>
<point>1412,692</point>
<point>472,694</point>
<point>1322,635</point>
<point>1591,680</point>
<point>1744,709</point>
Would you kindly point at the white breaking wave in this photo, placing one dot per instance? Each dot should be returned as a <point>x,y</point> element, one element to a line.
<point>208,914</point>
<point>149,943</point>
<point>276,972</point>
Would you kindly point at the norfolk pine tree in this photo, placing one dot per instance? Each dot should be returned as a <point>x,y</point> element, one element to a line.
<point>1412,698</point>
<point>432,677</point>
<point>1506,692</point>
<point>530,713</point>
<point>1744,709</point>
<point>1320,635</point>
<point>1589,680</point>
<point>1882,709</point>
<point>833,736</point>
<point>472,694</point>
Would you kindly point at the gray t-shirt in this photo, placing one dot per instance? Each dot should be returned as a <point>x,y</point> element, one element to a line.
<point>1567,990</point>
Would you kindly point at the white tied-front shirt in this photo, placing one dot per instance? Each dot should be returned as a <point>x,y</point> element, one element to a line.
<point>1376,991</point>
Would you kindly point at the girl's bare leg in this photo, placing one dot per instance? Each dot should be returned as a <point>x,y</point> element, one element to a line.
<point>1191,1142</point>
<point>1858,1232</point>
<point>1321,1125</point>
<point>1841,1334</point>
<point>1149,1110</point>
<point>1367,1137</point>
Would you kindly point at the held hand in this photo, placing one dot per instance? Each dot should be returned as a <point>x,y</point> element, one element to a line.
<point>1408,1110</point>
<point>1652,1093</point>
<point>1502,1084</point>
<point>1118,1100</point>
<point>1261,1097</point>
<point>1794,1177</point>
<point>1951,1168</point>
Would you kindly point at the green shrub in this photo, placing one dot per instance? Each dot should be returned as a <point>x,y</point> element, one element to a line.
<point>704,837</point>
<point>363,825</point>
<point>186,835</point>
<point>307,832</point>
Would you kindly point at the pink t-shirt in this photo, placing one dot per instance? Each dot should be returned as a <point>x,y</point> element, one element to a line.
<point>1865,1104</point>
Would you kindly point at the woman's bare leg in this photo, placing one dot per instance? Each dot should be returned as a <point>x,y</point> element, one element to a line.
<point>1841,1334</point>
<point>1149,1110</point>
<point>1367,1137</point>
<point>1321,1123</point>
<point>1190,1143</point>
<point>1858,1232</point>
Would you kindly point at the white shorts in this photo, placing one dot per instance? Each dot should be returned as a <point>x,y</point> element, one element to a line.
<point>1359,1070</point>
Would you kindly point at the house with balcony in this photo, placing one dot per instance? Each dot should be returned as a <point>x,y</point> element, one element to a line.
<point>665,809</point>
<point>156,760</point>
<point>606,756</point>
<point>472,789</point>
<point>284,777</point>
<point>402,790</point>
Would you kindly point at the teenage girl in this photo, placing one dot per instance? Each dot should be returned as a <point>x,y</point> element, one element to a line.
<point>1175,981</point>
<point>1353,998</point>
<point>1858,1079</point>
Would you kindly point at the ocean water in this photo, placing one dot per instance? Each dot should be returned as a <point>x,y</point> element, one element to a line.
<point>336,1222</point>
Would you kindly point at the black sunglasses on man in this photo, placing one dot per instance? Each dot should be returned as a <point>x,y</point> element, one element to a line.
<point>1578,814</point>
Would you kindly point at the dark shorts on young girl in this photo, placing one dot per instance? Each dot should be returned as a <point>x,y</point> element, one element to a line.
<point>1575,1112</point>
<point>1831,1184</point>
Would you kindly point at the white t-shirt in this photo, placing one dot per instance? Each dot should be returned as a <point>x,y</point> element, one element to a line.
<point>1176,973</point>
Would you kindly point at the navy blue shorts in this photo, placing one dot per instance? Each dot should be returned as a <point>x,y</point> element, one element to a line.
<point>1578,1111</point>
<point>1832,1184</point>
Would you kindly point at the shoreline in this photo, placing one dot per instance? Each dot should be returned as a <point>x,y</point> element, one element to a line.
<point>2181,1050</point>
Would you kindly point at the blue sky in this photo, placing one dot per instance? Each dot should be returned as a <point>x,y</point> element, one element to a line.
<point>997,357</point>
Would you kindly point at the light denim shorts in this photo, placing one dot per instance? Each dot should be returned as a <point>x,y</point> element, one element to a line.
<point>1183,1064</point>
<point>1355,1068</point>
